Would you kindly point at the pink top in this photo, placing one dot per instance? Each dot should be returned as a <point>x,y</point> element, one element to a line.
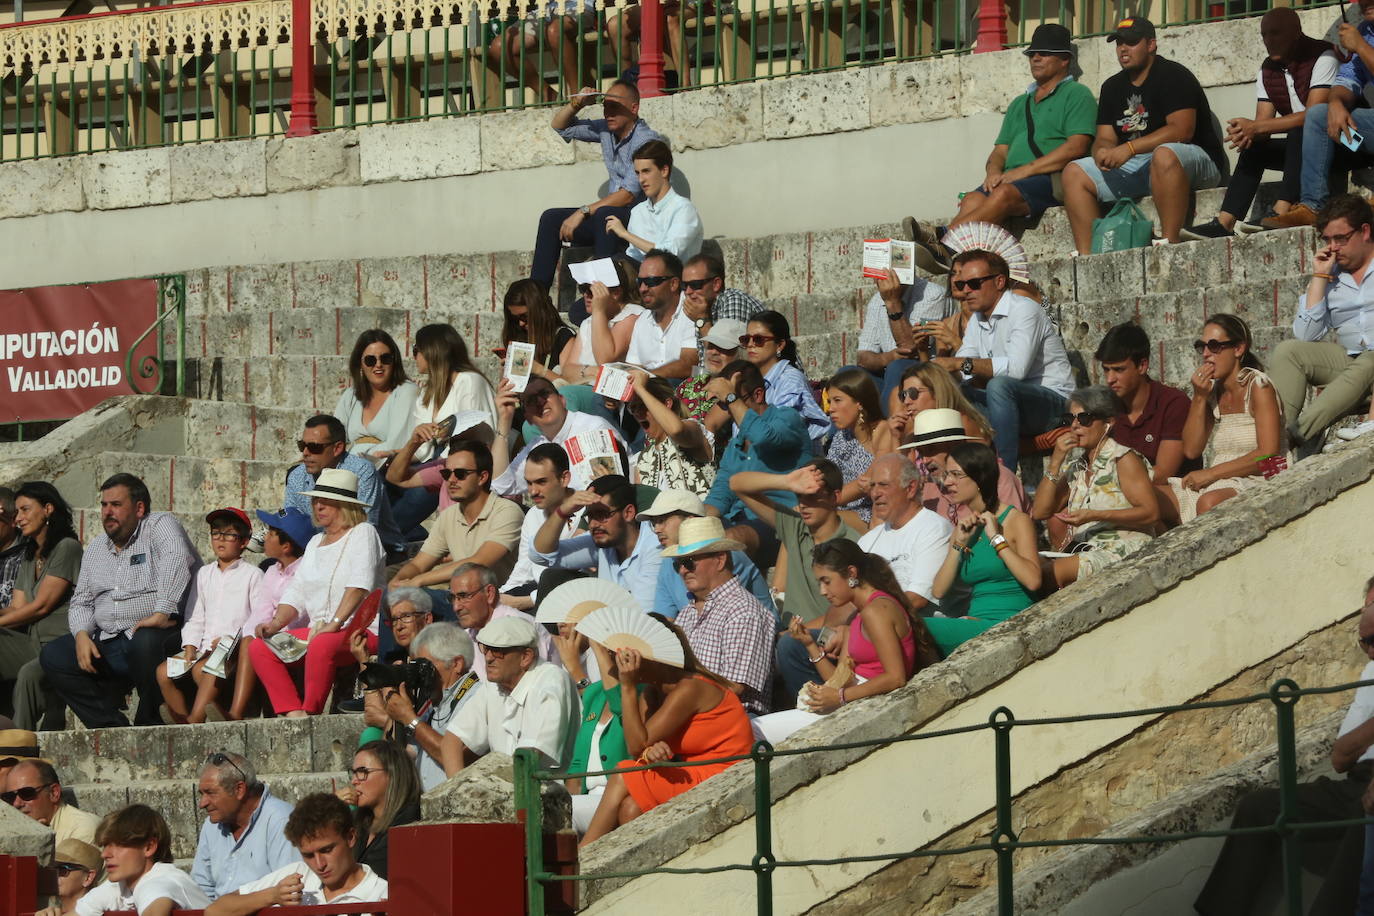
<point>434,482</point>
<point>274,583</point>
<point>867,665</point>
<point>224,599</point>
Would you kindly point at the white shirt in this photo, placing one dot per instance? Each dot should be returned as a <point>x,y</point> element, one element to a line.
<point>1022,342</point>
<point>914,551</point>
<point>525,570</point>
<point>652,346</point>
<point>355,560</point>
<point>225,599</point>
<point>922,301</point>
<point>1323,75</point>
<point>469,391</point>
<point>542,713</point>
<point>1361,710</point>
<point>512,479</point>
<point>162,880</point>
<point>372,889</point>
<point>672,224</point>
<point>585,356</point>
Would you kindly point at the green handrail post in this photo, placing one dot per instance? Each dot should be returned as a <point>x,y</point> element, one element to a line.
<point>1284,695</point>
<point>171,299</point>
<point>763,863</point>
<point>1003,837</point>
<point>529,802</point>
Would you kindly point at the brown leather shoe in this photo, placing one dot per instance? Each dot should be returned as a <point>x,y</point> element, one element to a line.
<point>1301,215</point>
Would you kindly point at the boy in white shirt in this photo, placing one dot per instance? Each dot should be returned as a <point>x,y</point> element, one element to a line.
<point>321,827</point>
<point>136,847</point>
<point>226,593</point>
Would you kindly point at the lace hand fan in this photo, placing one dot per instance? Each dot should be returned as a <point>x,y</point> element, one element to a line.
<point>571,601</point>
<point>989,237</point>
<point>630,628</point>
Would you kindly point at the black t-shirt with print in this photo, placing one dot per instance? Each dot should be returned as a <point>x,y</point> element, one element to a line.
<point>1134,111</point>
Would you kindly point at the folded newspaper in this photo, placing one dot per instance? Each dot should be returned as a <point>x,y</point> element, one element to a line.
<point>286,647</point>
<point>592,453</point>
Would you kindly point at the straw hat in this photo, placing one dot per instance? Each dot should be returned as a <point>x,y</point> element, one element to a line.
<point>339,485</point>
<point>701,535</point>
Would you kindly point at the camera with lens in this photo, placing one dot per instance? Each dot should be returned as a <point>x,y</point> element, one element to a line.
<point>417,676</point>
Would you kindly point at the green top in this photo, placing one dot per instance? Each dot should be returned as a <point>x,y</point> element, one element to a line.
<point>63,562</point>
<point>804,597</point>
<point>1067,111</point>
<point>595,698</point>
<point>996,593</point>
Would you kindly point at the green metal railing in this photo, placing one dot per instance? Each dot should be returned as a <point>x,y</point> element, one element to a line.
<point>1003,842</point>
<point>90,93</point>
<point>170,329</point>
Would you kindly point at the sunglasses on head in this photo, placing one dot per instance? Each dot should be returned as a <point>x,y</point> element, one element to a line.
<point>27,793</point>
<point>372,359</point>
<point>698,284</point>
<point>973,283</point>
<point>314,448</point>
<point>460,473</point>
<point>1213,346</point>
<point>219,759</point>
<point>651,282</point>
<point>755,340</point>
<point>1082,418</point>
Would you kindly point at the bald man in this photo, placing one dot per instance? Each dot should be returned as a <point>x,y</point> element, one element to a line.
<point>1232,887</point>
<point>1296,73</point>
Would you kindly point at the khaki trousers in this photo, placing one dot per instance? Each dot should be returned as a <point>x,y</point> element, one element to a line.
<point>1345,381</point>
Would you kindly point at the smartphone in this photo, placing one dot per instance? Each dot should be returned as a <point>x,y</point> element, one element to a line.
<point>1352,144</point>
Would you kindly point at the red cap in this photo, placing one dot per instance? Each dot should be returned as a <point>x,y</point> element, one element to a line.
<point>237,515</point>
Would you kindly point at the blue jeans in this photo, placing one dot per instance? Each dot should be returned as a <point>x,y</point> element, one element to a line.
<point>1015,409</point>
<point>1365,904</point>
<point>794,666</point>
<point>410,506</point>
<point>124,661</point>
<point>1319,151</point>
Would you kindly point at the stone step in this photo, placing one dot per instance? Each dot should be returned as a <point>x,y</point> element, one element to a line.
<point>179,483</point>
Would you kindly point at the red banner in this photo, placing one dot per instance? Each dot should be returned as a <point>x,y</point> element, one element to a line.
<point>62,348</point>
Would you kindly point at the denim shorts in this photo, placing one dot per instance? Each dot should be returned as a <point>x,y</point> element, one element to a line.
<point>1132,178</point>
<point>1037,191</point>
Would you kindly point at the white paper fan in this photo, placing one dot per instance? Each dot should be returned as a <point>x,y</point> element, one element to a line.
<point>979,236</point>
<point>571,601</point>
<point>623,627</point>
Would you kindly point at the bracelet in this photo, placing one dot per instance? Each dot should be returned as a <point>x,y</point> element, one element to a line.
<point>817,659</point>
<point>413,722</point>
<point>559,513</point>
<point>841,696</point>
<point>999,540</point>
<point>1327,277</point>
<point>1001,547</point>
<point>1052,478</point>
<point>1130,145</point>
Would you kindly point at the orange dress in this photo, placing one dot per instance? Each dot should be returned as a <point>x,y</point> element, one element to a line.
<point>724,731</point>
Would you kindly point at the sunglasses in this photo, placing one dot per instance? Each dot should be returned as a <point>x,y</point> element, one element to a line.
<point>598,513</point>
<point>1364,641</point>
<point>651,282</point>
<point>219,759</point>
<point>370,360</point>
<point>1082,418</point>
<point>698,284</point>
<point>1213,346</point>
<point>27,793</point>
<point>973,283</point>
<point>64,869</point>
<point>755,340</point>
<point>584,289</point>
<point>535,400</point>
<point>314,448</point>
<point>910,394</point>
<point>460,473</point>
<point>689,564</point>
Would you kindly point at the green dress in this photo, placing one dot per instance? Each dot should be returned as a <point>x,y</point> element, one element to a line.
<point>996,595</point>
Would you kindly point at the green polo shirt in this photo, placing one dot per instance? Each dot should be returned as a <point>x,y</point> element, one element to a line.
<point>1068,110</point>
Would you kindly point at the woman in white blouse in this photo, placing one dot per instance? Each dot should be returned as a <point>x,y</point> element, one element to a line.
<point>377,408</point>
<point>451,383</point>
<point>604,336</point>
<point>341,565</point>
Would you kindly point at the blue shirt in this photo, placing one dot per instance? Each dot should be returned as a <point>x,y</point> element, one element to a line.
<point>637,573</point>
<point>369,491</point>
<point>774,441</point>
<point>1347,308</point>
<point>672,224</point>
<point>224,864</point>
<point>1354,75</point>
<point>786,386</point>
<point>618,154</point>
<point>673,596</point>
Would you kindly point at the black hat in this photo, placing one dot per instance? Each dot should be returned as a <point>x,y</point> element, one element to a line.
<point>1132,30</point>
<point>1050,38</point>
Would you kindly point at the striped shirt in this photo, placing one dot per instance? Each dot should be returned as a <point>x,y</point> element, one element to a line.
<point>732,635</point>
<point>150,574</point>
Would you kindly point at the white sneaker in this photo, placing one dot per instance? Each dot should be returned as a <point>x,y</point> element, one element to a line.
<point>1355,432</point>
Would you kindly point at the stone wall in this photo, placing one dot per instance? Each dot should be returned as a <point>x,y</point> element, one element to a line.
<point>914,131</point>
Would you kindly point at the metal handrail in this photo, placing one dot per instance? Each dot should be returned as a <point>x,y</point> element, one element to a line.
<point>1003,842</point>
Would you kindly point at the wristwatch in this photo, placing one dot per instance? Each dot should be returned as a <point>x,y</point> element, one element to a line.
<point>966,366</point>
<point>413,722</point>
<point>583,683</point>
<point>894,316</point>
<point>700,323</point>
<point>586,209</point>
<point>725,402</point>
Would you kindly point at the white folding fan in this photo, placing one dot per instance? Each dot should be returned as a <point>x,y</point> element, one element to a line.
<point>622,627</point>
<point>990,237</point>
<point>571,601</point>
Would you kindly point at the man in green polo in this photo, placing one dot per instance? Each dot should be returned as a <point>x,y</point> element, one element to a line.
<point>1044,129</point>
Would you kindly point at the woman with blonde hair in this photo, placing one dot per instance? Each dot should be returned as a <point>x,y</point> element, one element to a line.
<point>926,385</point>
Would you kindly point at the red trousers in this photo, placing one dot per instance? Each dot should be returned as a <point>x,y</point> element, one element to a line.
<point>326,653</point>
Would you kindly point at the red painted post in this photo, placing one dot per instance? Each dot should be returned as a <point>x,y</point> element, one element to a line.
<point>303,120</point>
<point>18,884</point>
<point>651,79</point>
<point>442,869</point>
<point>992,27</point>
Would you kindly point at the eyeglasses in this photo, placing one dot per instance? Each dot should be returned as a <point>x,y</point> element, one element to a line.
<point>952,474</point>
<point>460,473</point>
<point>464,596</point>
<point>370,360</point>
<point>27,793</point>
<point>1082,418</point>
<point>651,282</point>
<point>685,564</point>
<point>910,394</point>
<point>64,869</point>
<point>361,773</point>
<point>755,340</point>
<point>314,448</point>
<point>225,535</point>
<point>500,651</point>
<point>1341,239</point>
<point>1213,346</point>
<point>584,289</point>
<point>219,759</point>
<point>973,283</point>
<point>407,617</point>
<point>698,284</point>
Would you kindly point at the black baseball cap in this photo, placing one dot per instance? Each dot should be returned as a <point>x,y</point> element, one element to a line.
<point>1132,30</point>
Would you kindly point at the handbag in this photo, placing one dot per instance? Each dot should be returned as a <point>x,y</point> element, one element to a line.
<point>1124,227</point>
